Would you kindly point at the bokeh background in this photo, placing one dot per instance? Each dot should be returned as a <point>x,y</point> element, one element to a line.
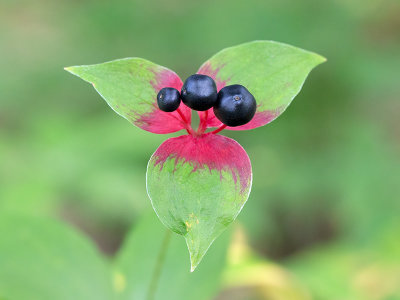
<point>325,203</point>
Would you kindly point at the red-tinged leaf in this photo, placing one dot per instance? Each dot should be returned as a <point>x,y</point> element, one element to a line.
<point>273,72</point>
<point>130,87</point>
<point>197,186</point>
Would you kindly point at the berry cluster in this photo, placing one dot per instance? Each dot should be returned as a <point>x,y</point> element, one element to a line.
<point>233,105</point>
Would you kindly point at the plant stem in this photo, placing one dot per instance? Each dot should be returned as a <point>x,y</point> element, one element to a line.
<point>220,128</point>
<point>159,263</point>
<point>185,121</point>
<point>203,123</point>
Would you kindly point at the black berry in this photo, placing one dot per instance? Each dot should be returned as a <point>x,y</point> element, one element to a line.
<point>235,105</point>
<point>199,92</point>
<point>168,99</point>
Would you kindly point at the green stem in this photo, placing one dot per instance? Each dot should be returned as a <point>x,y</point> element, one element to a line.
<point>159,264</point>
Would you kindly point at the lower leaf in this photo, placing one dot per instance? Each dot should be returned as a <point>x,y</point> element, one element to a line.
<point>43,259</point>
<point>197,186</point>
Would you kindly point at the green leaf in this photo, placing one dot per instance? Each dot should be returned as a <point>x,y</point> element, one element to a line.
<point>197,186</point>
<point>42,259</point>
<point>273,72</point>
<point>130,87</point>
<point>150,266</point>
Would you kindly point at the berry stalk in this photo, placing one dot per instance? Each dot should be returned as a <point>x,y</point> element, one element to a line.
<point>219,129</point>
<point>185,121</point>
<point>203,123</point>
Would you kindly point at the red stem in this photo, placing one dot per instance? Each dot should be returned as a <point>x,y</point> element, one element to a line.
<point>185,121</point>
<point>203,124</point>
<point>220,128</point>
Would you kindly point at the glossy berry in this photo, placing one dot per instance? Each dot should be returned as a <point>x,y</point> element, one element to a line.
<point>235,105</point>
<point>199,92</point>
<point>168,99</point>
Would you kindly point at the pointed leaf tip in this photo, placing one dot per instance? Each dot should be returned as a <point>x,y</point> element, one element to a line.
<point>73,70</point>
<point>68,69</point>
<point>197,254</point>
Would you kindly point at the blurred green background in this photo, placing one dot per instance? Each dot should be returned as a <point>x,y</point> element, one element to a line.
<point>325,203</point>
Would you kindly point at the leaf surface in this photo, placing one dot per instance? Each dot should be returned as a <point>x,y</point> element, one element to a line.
<point>197,186</point>
<point>42,259</point>
<point>273,72</point>
<point>130,88</point>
